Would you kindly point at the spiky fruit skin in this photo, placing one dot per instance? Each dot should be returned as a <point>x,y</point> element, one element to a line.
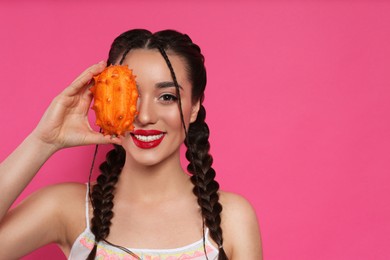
<point>115,100</point>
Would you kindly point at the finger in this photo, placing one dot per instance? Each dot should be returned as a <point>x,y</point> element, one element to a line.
<point>85,78</point>
<point>91,70</point>
<point>99,138</point>
<point>116,140</point>
<point>85,102</point>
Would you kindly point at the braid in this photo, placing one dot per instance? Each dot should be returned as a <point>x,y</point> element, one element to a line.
<point>102,195</point>
<point>206,187</point>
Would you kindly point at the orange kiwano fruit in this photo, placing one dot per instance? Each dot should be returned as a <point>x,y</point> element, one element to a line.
<point>115,93</point>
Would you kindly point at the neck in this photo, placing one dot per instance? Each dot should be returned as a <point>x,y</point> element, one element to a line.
<point>150,183</point>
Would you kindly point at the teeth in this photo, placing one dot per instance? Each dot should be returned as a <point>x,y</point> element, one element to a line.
<point>148,138</point>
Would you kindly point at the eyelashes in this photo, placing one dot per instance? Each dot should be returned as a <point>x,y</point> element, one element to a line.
<point>164,98</point>
<point>168,98</point>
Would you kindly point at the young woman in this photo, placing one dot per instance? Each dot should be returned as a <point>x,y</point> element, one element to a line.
<point>144,205</point>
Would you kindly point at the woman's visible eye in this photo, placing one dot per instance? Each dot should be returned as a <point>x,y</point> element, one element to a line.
<point>168,98</point>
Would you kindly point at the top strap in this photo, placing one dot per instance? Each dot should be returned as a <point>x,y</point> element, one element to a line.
<point>87,206</point>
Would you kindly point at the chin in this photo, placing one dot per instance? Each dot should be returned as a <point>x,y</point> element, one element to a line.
<point>150,159</point>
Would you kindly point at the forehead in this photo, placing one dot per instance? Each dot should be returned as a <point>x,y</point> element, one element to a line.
<point>150,65</point>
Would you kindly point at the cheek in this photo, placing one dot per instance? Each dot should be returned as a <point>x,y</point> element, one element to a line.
<point>172,116</point>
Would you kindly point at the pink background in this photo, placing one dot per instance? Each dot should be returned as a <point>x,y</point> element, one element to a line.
<point>297,100</point>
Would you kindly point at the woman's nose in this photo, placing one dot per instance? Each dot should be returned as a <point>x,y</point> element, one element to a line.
<point>146,112</point>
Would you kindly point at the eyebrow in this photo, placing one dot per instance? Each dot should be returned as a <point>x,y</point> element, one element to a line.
<point>167,84</point>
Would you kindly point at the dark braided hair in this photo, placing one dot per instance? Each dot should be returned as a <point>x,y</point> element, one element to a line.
<point>203,175</point>
<point>102,195</point>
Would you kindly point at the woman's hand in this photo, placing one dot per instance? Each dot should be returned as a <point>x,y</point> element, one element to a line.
<point>65,122</point>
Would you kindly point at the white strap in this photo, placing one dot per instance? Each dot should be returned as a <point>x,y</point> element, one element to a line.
<point>87,206</point>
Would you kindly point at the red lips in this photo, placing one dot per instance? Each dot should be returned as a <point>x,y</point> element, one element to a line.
<point>147,139</point>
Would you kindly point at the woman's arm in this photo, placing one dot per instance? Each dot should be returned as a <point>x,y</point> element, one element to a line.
<point>64,124</point>
<point>42,218</point>
<point>19,168</point>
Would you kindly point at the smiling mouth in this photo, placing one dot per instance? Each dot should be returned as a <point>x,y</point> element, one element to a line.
<point>147,139</point>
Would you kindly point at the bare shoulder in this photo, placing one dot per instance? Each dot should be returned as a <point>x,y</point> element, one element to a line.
<point>68,191</point>
<point>237,210</point>
<point>59,197</point>
<point>54,214</point>
<point>69,188</point>
<point>240,227</point>
<point>234,202</point>
<point>65,202</point>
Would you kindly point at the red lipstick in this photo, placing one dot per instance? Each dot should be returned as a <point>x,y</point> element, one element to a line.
<point>147,139</point>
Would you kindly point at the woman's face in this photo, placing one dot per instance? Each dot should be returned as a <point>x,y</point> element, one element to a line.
<point>158,131</point>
